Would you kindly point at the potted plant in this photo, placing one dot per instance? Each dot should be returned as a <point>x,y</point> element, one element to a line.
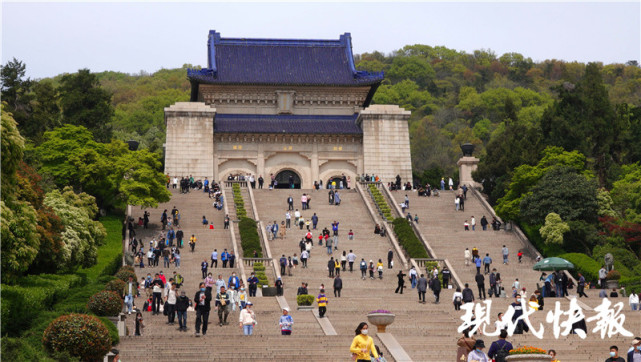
<point>305,302</point>
<point>381,319</point>
<point>612,279</point>
<point>528,354</point>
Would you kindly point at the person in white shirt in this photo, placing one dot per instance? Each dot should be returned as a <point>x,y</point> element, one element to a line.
<point>473,223</point>
<point>516,285</point>
<point>220,283</point>
<point>247,320</point>
<point>413,275</point>
<point>468,257</point>
<point>170,299</point>
<point>175,181</point>
<point>296,216</point>
<point>477,353</point>
<point>634,301</point>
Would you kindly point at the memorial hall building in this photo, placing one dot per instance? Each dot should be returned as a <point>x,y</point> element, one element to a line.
<point>285,107</point>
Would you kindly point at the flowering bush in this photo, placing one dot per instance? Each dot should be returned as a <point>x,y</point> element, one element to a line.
<point>105,303</point>
<point>80,335</point>
<point>613,275</point>
<point>380,311</point>
<point>527,350</point>
<point>116,286</point>
<point>124,274</point>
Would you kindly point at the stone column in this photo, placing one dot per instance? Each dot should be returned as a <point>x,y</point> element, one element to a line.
<point>314,164</point>
<point>386,142</point>
<point>260,163</point>
<point>190,140</point>
<point>468,164</point>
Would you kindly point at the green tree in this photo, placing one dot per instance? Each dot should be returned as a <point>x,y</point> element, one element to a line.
<point>85,103</point>
<point>82,235</point>
<point>563,191</point>
<point>15,89</point>
<point>554,229</point>
<point>45,114</point>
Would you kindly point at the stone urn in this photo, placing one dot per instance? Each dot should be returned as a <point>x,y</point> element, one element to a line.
<point>380,320</point>
<point>612,284</point>
<point>467,149</point>
<point>529,358</point>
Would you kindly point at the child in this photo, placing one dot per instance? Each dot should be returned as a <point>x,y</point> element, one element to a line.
<point>379,267</point>
<point>350,235</point>
<point>241,298</point>
<point>520,255</point>
<point>466,225</point>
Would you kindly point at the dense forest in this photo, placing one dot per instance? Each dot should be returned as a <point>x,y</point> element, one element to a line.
<point>557,140</point>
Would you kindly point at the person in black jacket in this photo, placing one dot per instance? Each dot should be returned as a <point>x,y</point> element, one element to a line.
<point>330,267</point>
<point>179,237</point>
<point>182,303</point>
<point>468,295</point>
<point>401,281</point>
<point>202,299</point>
<point>302,290</point>
<point>480,282</point>
<point>435,285</point>
<point>338,285</point>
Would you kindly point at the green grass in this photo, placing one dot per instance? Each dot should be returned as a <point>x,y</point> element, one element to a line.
<point>36,300</point>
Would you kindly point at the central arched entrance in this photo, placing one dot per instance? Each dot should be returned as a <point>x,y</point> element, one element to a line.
<point>288,179</point>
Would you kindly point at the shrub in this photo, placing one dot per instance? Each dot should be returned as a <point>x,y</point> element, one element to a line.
<point>115,286</point>
<point>408,240</point>
<point>613,275</point>
<point>249,239</point>
<point>124,274</point>
<point>583,264</point>
<point>80,335</point>
<point>527,350</point>
<point>113,330</point>
<point>305,299</point>
<point>105,303</point>
<point>381,203</point>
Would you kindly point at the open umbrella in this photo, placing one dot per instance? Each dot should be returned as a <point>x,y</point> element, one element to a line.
<point>553,264</point>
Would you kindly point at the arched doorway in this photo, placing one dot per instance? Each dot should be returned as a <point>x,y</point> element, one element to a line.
<point>338,180</point>
<point>287,178</point>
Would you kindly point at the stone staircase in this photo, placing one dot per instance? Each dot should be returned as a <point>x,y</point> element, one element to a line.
<point>427,332</point>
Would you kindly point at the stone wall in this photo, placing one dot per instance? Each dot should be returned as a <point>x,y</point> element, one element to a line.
<point>386,142</point>
<point>189,147</point>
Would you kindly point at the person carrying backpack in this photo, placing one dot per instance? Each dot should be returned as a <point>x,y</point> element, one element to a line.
<point>500,348</point>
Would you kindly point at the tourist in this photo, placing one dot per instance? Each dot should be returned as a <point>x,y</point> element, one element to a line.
<point>224,257</point>
<point>203,268</point>
<point>468,256</point>
<point>477,262</point>
<point>209,282</point>
<point>350,235</point>
<point>614,355</point>
<point>613,293</point>
<point>247,319</point>
<point>634,354</point>
<point>363,345</point>
<point>468,295</point>
<point>422,288</point>
<point>351,257</point>
<point>220,283</point>
<point>435,285</point>
<point>338,286</point>
<point>222,305</point>
<point>371,269</point>
<point>581,286</point>
<point>170,303</point>
<point>521,326</point>
<point>233,281</point>
<point>140,324</point>
<point>477,353</point>
<point>177,258</point>
<point>252,281</point>
<point>465,345</point>
<point>182,304</point>
<point>413,276</point>
<point>192,242</point>
<point>330,267</point>
<point>304,255</point>
<point>379,267</point>
<point>279,286</point>
<point>214,259</point>
<point>457,202</point>
<point>337,267</point>
<point>501,348</point>
<point>390,257</point>
<point>322,301</point>
<point>157,287</point>
<point>457,299</point>
<point>466,226</point>
<point>286,321</point>
<point>487,261</point>
<point>401,281</point>
<point>633,300</point>
<point>473,223</point>
<point>202,300</point>
<point>552,353</point>
<point>128,294</point>
<point>520,256</point>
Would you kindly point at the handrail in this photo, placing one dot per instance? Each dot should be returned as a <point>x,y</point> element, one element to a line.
<point>263,234</point>
<point>390,234</point>
<point>242,183</point>
<point>234,242</point>
<point>251,261</point>
<point>423,239</point>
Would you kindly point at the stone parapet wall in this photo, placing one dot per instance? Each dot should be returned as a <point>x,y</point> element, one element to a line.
<point>386,143</point>
<point>189,147</point>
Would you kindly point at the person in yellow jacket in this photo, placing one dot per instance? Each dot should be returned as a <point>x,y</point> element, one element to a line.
<point>363,345</point>
<point>322,303</point>
<point>192,242</point>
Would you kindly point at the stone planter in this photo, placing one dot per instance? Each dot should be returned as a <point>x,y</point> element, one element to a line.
<point>305,307</point>
<point>380,320</point>
<point>529,358</point>
<point>612,284</point>
<point>269,291</point>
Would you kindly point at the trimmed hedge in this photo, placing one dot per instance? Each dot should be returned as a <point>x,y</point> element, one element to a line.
<point>80,335</point>
<point>249,239</point>
<point>381,204</point>
<point>408,240</point>
<point>583,264</point>
<point>239,203</point>
<point>124,274</point>
<point>259,270</point>
<point>116,286</point>
<point>305,299</point>
<point>105,303</point>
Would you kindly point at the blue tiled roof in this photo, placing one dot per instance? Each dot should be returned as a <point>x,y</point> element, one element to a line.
<point>282,62</point>
<point>288,124</point>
